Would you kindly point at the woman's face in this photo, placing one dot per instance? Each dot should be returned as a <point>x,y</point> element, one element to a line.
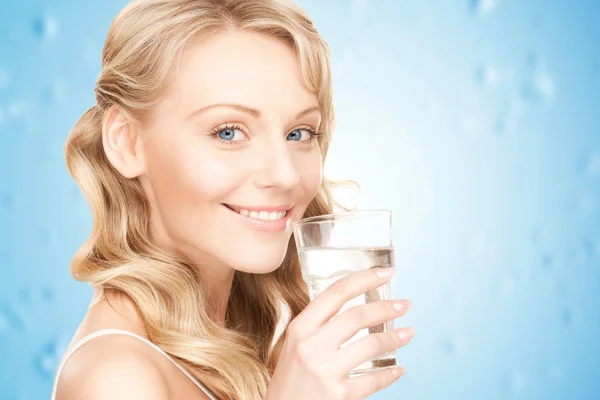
<point>229,154</point>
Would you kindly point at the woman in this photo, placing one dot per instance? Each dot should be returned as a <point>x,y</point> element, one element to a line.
<point>212,122</point>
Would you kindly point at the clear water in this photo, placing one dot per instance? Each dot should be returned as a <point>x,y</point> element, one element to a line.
<point>321,267</point>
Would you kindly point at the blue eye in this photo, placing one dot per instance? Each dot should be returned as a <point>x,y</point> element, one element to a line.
<point>228,133</point>
<point>301,135</point>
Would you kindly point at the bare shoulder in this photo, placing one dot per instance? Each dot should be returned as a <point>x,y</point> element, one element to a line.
<point>113,367</point>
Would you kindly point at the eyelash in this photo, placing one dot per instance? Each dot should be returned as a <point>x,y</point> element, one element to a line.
<point>215,132</point>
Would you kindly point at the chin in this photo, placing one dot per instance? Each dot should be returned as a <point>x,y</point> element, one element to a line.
<point>259,261</point>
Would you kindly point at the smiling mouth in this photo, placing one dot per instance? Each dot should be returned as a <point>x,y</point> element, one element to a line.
<point>261,215</point>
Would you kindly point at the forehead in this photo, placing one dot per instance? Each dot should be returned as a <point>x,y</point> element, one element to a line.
<point>241,67</point>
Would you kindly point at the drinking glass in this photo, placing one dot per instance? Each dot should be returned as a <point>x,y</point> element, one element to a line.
<point>333,246</point>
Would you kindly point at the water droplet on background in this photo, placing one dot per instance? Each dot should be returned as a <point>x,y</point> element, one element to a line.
<point>45,27</point>
<point>359,5</point>
<point>12,318</point>
<point>517,383</point>
<point>566,316</point>
<point>448,346</point>
<point>539,21</point>
<point>546,261</point>
<point>593,165</point>
<point>590,250</point>
<point>482,6</point>
<point>545,85</point>
<point>24,295</point>
<point>500,126</point>
<point>533,60</point>
<point>539,87</point>
<point>47,294</point>
<point>46,361</point>
<point>56,92</point>
<point>537,237</point>
<point>15,109</point>
<point>44,236</point>
<point>487,76</point>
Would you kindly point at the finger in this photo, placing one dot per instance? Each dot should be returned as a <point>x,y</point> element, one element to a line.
<point>371,346</point>
<point>344,326</point>
<point>363,386</point>
<point>328,303</point>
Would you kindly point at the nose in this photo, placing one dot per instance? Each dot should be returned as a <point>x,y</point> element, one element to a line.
<point>276,167</point>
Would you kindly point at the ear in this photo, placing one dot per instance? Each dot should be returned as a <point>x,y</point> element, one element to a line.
<point>122,143</point>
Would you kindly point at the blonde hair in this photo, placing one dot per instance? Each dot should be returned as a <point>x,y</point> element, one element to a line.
<point>145,41</point>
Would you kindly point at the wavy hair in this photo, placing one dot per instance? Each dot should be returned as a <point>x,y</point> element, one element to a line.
<point>143,45</point>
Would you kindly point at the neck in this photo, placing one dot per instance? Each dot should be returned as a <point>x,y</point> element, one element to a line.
<point>217,278</point>
<point>217,286</point>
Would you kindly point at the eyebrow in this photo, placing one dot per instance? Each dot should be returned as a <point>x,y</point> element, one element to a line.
<point>247,110</point>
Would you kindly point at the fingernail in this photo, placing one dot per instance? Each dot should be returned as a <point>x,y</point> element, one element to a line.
<point>399,305</point>
<point>405,334</point>
<point>385,272</point>
<point>396,372</point>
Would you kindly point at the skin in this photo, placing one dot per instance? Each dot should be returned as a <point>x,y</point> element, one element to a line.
<point>197,161</point>
<point>188,174</point>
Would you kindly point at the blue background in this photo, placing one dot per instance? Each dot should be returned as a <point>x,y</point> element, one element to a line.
<point>476,122</point>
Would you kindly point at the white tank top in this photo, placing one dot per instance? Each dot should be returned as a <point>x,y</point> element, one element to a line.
<point>105,332</point>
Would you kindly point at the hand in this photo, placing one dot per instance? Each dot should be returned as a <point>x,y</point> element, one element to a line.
<point>313,366</point>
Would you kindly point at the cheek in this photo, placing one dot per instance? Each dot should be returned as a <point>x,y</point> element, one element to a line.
<point>311,176</point>
<point>211,178</point>
<point>185,175</point>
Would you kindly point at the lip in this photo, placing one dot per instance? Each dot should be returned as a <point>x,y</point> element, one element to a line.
<point>276,226</point>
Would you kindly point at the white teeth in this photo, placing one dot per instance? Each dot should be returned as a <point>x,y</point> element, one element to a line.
<point>264,215</point>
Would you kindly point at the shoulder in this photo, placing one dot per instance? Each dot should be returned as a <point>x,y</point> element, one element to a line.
<point>113,367</point>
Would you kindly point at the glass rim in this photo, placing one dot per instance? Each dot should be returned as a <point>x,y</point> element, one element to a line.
<point>344,215</point>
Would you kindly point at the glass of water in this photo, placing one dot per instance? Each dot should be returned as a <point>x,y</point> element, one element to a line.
<point>333,246</point>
